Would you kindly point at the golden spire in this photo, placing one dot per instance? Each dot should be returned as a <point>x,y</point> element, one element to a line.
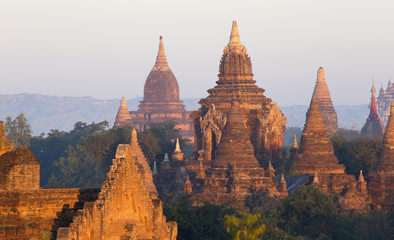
<point>134,136</point>
<point>123,102</point>
<point>361,177</point>
<point>373,90</point>
<point>177,147</point>
<point>295,145</point>
<point>282,180</point>
<point>161,59</point>
<point>235,41</point>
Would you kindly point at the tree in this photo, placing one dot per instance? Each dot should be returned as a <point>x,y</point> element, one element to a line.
<point>358,153</point>
<point>18,130</point>
<point>205,221</point>
<point>247,226</point>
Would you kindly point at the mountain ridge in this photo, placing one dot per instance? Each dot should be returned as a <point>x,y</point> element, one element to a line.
<point>45,112</point>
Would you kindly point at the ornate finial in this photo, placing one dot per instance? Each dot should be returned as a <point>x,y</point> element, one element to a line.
<point>373,90</point>
<point>154,168</point>
<point>295,145</point>
<point>282,180</point>
<point>177,147</point>
<point>315,179</point>
<point>134,136</point>
<point>361,177</point>
<point>187,179</point>
<point>166,158</point>
<point>123,102</point>
<point>321,76</point>
<point>235,41</point>
<point>161,59</point>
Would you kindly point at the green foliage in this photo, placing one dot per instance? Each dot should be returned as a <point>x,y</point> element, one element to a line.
<point>53,147</point>
<point>358,153</point>
<point>86,164</point>
<point>198,222</point>
<point>374,225</point>
<point>18,130</point>
<point>247,226</point>
<point>159,139</point>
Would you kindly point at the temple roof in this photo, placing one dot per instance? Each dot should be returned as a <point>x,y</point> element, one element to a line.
<point>373,127</point>
<point>161,84</point>
<point>235,79</point>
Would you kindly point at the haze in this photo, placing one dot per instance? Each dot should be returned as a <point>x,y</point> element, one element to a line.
<point>106,49</point>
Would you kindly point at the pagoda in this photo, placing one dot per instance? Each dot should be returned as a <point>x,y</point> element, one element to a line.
<point>381,183</point>
<point>316,153</point>
<point>161,100</point>
<point>265,123</point>
<point>373,127</point>
<point>383,101</point>
<point>323,97</point>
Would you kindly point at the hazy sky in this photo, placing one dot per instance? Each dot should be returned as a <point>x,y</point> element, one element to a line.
<point>106,49</point>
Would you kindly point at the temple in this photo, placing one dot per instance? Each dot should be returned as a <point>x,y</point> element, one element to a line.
<point>265,123</point>
<point>373,127</point>
<point>381,183</point>
<point>161,100</point>
<point>237,131</point>
<point>317,160</point>
<point>383,101</point>
<point>323,97</point>
<point>316,152</point>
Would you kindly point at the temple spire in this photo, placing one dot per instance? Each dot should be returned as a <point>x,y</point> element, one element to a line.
<point>386,161</point>
<point>123,117</point>
<point>326,108</point>
<point>161,59</point>
<point>373,126</point>
<point>235,41</point>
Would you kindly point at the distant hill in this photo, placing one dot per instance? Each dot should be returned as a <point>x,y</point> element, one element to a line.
<point>51,112</point>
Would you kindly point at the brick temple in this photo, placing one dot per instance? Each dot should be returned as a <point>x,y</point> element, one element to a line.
<point>161,100</point>
<point>237,131</point>
<point>316,159</point>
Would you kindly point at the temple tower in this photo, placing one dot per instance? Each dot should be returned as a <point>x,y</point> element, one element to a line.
<point>373,127</point>
<point>265,123</point>
<point>323,97</point>
<point>316,152</point>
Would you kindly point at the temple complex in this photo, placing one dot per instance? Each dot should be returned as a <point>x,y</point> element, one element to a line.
<point>323,97</point>
<point>161,100</point>
<point>383,101</point>
<point>265,123</point>
<point>316,158</point>
<point>373,127</point>
<point>126,207</point>
<point>381,183</point>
